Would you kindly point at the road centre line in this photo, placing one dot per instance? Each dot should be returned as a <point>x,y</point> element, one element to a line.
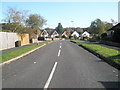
<point>60,46</point>
<point>59,52</point>
<point>52,72</point>
<point>50,77</point>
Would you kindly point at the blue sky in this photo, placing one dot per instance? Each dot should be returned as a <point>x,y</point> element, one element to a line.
<point>82,13</point>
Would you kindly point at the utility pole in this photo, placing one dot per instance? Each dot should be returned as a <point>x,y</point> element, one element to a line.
<point>119,12</point>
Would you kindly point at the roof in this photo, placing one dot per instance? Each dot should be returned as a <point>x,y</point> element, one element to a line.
<point>50,31</point>
<point>116,27</point>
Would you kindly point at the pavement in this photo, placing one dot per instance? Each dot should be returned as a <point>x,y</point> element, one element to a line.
<point>60,64</point>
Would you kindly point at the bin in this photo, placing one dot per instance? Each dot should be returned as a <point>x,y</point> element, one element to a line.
<point>17,43</point>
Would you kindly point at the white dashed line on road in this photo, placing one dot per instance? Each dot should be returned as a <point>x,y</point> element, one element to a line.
<point>60,46</point>
<point>59,53</point>
<point>53,70</point>
<point>50,77</point>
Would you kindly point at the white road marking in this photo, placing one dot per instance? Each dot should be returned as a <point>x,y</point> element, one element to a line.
<point>59,53</point>
<point>60,46</point>
<point>50,77</point>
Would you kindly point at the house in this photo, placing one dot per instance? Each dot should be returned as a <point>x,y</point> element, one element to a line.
<point>112,30</point>
<point>44,33</point>
<point>54,34</point>
<point>85,34</point>
<point>75,33</point>
<point>114,33</point>
<point>64,34</point>
<point>49,33</point>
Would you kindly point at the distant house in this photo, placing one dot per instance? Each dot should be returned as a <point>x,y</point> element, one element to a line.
<point>85,34</point>
<point>75,33</point>
<point>49,33</point>
<point>64,34</point>
<point>54,34</point>
<point>44,33</point>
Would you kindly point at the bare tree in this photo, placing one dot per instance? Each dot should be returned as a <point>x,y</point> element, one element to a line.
<point>15,16</point>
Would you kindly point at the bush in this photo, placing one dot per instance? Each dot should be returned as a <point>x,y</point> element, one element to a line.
<point>104,36</point>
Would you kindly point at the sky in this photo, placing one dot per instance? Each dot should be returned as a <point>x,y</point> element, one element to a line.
<point>69,14</point>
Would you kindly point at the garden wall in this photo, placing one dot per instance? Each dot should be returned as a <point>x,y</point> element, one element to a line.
<point>7,40</point>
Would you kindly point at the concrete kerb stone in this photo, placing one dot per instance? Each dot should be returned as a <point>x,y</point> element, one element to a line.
<point>109,61</point>
<point>18,57</point>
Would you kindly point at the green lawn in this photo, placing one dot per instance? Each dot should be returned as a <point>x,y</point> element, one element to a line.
<point>77,41</point>
<point>112,54</point>
<point>18,52</point>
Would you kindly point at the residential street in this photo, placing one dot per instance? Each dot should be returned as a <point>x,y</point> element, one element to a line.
<point>60,64</point>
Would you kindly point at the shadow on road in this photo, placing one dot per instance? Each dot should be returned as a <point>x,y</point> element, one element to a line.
<point>110,85</point>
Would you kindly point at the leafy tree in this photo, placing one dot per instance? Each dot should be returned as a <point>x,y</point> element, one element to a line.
<point>108,25</point>
<point>35,21</point>
<point>114,22</point>
<point>97,27</point>
<point>68,31</point>
<point>59,28</point>
<point>80,30</point>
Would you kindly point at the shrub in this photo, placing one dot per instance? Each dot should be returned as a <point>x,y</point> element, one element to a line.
<point>104,36</point>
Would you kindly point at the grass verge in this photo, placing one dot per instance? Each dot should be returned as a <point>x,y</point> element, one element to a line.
<point>112,54</point>
<point>9,55</point>
<point>77,41</point>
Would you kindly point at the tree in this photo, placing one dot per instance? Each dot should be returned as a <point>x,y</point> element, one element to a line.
<point>59,28</point>
<point>35,21</point>
<point>15,20</point>
<point>68,31</point>
<point>15,16</point>
<point>97,27</point>
<point>114,22</point>
<point>108,25</point>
